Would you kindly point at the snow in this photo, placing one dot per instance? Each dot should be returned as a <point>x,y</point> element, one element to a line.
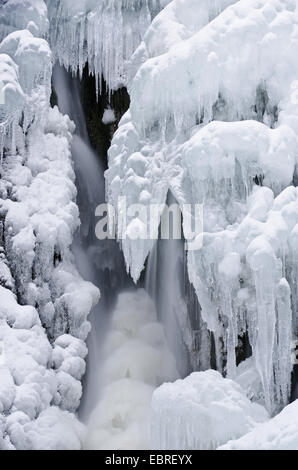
<point>201,412</point>
<point>213,120</point>
<point>52,430</point>
<point>280,433</point>
<point>177,22</point>
<point>261,243</point>
<point>236,71</point>
<point>40,220</point>
<point>136,362</point>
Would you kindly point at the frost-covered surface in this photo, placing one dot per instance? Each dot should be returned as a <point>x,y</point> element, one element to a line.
<point>44,303</point>
<point>26,67</point>
<point>280,433</point>
<point>17,15</point>
<point>201,412</point>
<point>222,59</point>
<point>178,21</point>
<point>44,347</point>
<point>40,221</point>
<point>102,33</point>
<point>237,71</point>
<point>30,389</point>
<point>136,362</point>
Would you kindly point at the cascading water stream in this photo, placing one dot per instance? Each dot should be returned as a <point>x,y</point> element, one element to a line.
<point>127,352</point>
<point>176,302</point>
<point>99,262</point>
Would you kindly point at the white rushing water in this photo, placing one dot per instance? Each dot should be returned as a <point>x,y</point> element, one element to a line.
<point>128,355</point>
<point>136,362</point>
<point>89,254</point>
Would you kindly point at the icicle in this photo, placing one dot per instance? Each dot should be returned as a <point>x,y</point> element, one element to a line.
<point>2,139</point>
<point>103,37</point>
<point>284,339</point>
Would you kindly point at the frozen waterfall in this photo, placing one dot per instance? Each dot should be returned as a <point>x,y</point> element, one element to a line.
<point>159,111</point>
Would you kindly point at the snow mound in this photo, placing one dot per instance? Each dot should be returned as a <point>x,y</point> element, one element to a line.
<point>241,150</point>
<point>137,361</point>
<point>201,412</point>
<point>208,64</point>
<point>280,433</point>
<point>28,386</point>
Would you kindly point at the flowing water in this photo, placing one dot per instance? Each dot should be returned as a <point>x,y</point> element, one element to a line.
<point>99,262</point>
<point>176,303</point>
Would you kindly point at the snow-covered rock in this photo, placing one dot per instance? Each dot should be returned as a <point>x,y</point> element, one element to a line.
<point>201,412</point>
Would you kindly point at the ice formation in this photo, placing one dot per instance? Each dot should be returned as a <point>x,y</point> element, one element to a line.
<point>236,71</point>
<point>212,120</point>
<point>26,66</point>
<point>280,433</point>
<point>108,116</point>
<point>201,412</point>
<point>137,361</point>
<point>103,34</point>
<point>175,23</point>
<point>44,303</point>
